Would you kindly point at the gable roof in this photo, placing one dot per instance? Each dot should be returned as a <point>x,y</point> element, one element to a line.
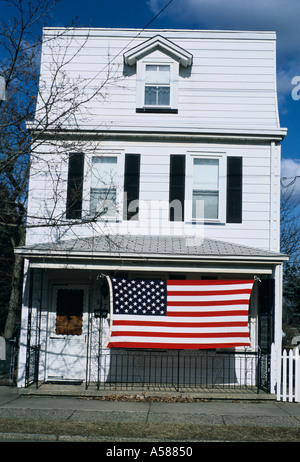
<point>158,43</point>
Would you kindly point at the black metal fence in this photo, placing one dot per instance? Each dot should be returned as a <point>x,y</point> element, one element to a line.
<point>177,369</point>
<point>166,370</point>
<point>8,364</point>
<point>32,365</point>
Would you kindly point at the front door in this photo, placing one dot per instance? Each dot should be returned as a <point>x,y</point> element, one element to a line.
<point>67,334</point>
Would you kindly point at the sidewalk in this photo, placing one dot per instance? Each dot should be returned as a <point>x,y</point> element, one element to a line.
<point>32,416</point>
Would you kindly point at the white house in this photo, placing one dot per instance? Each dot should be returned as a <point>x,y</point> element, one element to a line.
<point>156,157</point>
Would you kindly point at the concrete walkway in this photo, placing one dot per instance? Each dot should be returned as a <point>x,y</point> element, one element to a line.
<point>22,405</point>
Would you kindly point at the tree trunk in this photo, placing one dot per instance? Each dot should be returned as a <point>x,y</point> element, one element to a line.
<point>15,294</point>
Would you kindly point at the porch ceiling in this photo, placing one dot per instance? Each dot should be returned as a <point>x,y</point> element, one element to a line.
<point>184,250</point>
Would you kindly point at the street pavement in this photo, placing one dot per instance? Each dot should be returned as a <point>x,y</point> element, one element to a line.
<point>16,406</point>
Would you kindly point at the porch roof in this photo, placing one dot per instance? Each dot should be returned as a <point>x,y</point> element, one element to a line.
<point>150,248</point>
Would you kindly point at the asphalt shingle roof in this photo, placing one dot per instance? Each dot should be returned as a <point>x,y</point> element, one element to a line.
<point>146,245</point>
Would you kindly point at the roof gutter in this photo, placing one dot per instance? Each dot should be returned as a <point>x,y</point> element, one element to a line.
<point>88,256</point>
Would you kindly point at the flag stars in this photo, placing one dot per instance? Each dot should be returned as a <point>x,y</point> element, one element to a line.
<point>139,297</point>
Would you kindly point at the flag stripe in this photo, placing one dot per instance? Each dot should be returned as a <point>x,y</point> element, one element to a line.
<point>207,308</point>
<point>181,329</point>
<point>176,346</point>
<point>180,324</point>
<point>207,293</point>
<point>212,282</point>
<point>207,302</point>
<point>179,314</point>
<point>165,334</point>
<point>208,313</point>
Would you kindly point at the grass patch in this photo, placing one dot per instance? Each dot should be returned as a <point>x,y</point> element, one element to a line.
<point>149,431</point>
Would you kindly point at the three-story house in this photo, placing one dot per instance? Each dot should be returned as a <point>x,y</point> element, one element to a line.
<point>156,157</point>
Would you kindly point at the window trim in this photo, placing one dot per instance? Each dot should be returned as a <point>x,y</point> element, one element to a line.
<point>184,57</point>
<point>141,83</point>
<point>221,157</point>
<point>157,84</point>
<point>119,184</point>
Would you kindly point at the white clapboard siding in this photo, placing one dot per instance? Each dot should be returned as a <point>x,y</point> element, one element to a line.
<point>231,83</point>
<point>46,196</point>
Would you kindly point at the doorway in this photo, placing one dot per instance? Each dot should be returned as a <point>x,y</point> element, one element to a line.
<point>67,334</point>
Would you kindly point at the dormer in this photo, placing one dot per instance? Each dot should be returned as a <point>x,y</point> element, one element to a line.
<point>157,61</point>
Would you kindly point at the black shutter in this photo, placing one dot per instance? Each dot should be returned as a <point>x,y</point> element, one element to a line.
<point>131,186</point>
<point>234,189</point>
<point>75,186</point>
<point>177,187</point>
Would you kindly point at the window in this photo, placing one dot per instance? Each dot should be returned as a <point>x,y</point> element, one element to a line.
<point>214,189</point>
<point>69,312</point>
<point>205,192</point>
<point>157,63</point>
<point>157,85</point>
<point>103,193</point>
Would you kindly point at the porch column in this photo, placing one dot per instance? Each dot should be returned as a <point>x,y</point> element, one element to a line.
<point>24,327</point>
<point>276,351</point>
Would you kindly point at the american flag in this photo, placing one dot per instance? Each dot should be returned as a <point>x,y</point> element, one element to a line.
<point>179,314</point>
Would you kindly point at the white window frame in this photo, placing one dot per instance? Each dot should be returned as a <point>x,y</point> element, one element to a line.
<point>141,82</point>
<point>221,157</point>
<point>119,184</point>
<point>157,84</point>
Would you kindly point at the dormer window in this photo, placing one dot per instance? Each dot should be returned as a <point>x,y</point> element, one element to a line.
<point>158,62</point>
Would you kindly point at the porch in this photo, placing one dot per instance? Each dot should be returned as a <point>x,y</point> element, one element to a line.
<point>128,370</point>
<point>80,390</point>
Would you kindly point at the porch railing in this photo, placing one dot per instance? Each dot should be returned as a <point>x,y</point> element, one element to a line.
<point>8,363</point>
<point>177,369</point>
<point>32,366</point>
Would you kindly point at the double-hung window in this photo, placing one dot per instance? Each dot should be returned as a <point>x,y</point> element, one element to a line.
<point>206,189</point>
<point>208,186</point>
<point>103,192</point>
<point>157,85</point>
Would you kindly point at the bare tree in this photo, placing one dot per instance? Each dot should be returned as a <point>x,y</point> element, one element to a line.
<point>290,244</point>
<point>290,224</point>
<point>32,117</point>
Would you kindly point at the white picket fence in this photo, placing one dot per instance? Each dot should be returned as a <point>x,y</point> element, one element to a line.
<point>287,375</point>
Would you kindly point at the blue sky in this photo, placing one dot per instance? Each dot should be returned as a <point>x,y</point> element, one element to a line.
<point>282,16</point>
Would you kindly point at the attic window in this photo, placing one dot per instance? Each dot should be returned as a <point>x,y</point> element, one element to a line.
<point>157,85</point>
<point>157,61</point>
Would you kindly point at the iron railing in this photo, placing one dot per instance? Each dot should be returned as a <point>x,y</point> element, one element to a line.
<point>32,366</point>
<point>9,363</point>
<point>177,369</point>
